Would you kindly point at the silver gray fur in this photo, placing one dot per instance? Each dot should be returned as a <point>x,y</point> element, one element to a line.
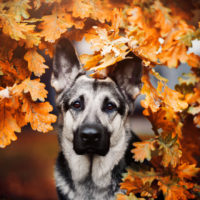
<point>92,177</point>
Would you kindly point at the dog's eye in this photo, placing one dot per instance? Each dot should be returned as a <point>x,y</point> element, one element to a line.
<point>76,105</point>
<point>108,107</point>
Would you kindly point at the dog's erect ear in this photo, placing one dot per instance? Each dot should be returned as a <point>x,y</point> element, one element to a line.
<point>127,73</point>
<point>66,65</point>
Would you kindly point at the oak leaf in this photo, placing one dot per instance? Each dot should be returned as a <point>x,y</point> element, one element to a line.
<point>152,99</point>
<point>35,62</point>
<point>169,150</point>
<point>34,87</point>
<point>174,99</point>
<point>37,114</point>
<point>187,171</point>
<point>175,192</point>
<point>143,150</point>
<point>55,24</point>
<point>18,8</point>
<point>15,29</point>
<point>8,125</point>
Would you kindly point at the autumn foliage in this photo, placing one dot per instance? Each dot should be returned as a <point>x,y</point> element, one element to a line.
<point>159,32</point>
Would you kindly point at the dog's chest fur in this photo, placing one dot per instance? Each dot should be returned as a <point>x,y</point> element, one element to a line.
<point>86,189</point>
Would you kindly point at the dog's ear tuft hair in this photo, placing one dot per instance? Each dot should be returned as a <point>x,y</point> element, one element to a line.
<point>127,73</point>
<point>66,65</point>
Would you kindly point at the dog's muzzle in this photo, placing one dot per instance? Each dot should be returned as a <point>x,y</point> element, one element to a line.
<point>91,139</point>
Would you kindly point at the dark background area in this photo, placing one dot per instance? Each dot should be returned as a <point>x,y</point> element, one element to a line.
<point>26,167</point>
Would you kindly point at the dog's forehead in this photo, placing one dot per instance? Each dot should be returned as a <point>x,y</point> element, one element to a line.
<point>92,84</point>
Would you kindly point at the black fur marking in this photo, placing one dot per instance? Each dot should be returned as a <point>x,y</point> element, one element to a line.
<point>64,170</point>
<point>95,84</point>
<point>77,76</point>
<point>60,195</point>
<point>66,105</point>
<point>122,107</point>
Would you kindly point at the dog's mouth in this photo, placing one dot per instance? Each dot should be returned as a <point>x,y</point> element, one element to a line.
<point>91,151</point>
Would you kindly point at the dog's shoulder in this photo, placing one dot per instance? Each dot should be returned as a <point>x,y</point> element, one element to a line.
<point>128,155</point>
<point>125,162</point>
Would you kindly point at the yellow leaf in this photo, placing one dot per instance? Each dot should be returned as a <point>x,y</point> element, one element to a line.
<point>35,62</point>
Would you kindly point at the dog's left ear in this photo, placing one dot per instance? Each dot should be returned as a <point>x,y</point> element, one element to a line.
<point>127,73</point>
<point>66,65</point>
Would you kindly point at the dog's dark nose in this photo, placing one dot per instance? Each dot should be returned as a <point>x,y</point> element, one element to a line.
<point>91,139</point>
<point>90,135</point>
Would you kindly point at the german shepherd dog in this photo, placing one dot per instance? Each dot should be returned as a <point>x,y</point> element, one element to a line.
<point>94,135</point>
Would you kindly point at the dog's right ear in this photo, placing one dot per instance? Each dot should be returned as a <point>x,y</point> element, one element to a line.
<point>66,65</point>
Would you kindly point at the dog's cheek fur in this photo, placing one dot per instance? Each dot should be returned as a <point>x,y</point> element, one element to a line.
<point>118,130</point>
<point>79,164</point>
<point>67,132</point>
<point>103,165</point>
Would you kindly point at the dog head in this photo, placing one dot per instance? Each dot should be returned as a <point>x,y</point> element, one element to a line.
<point>94,111</point>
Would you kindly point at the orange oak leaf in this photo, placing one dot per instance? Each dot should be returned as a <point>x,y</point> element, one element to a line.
<point>140,182</point>
<point>8,125</point>
<point>55,24</point>
<point>174,99</point>
<point>187,171</point>
<point>132,184</point>
<point>128,197</point>
<point>169,150</point>
<point>193,60</point>
<point>48,48</point>
<point>34,87</point>
<point>35,62</point>
<point>143,150</point>
<point>32,39</point>
<point>15,29</point>
<point>37,114</point>
<point>82,9</point>
<point>152,99</point>
<point>175,192</point>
